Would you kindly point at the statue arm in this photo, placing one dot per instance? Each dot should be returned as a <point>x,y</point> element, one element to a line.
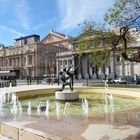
<point>70,67</point>
<point>77,66</point>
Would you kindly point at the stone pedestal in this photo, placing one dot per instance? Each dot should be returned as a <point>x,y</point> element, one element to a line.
<point>67,95</point>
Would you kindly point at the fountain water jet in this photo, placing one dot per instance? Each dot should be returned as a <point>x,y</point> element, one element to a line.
<point>2,96</point>
<point>66,107</point>
<point>85,106</point>
<point>47,110</point>
<point>109,103</point>
<point>38,109</point>
<point>29,110</point>
<point>58,105</point>
<point>16,105</point>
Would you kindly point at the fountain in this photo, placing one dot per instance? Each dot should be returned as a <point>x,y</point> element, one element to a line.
<point>7,97</point>
<point>67,114</point>
<point>65,117</point>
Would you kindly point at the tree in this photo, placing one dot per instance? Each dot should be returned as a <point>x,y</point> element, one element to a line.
<point>126,15</point>
<point>97,42</point>
<point>90,41</point>
<point>95,39</point>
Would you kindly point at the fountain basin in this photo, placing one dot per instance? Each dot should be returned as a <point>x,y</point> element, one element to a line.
<point>74,117</point>
<point>67,95</point>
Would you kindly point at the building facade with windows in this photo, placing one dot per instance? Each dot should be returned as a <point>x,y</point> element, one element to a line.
<point>88,69</point>
<point>32,56</point>
<point>59,52</point>
<point>22,58</point>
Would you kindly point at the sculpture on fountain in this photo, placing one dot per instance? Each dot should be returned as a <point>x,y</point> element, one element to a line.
<point>67,78</point>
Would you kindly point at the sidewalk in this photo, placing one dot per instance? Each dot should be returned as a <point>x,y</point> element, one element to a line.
<point>22,87</point>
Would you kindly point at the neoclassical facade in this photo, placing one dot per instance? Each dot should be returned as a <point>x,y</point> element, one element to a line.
<point>59,50</point>
<point>87,68</point>
<point>32,56</point>
<point>22,58</point>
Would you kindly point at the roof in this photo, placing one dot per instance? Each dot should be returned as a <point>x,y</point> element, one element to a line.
<point>63,34</point>
<point>29,36</point>
<point>57,34</point>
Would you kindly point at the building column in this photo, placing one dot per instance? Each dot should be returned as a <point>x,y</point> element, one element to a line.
<point>131,66</point>
<point>79,69</point>
<point>112,64</point>
<point>122,68</point>
<point>96,74</point>
<point>88,67</point>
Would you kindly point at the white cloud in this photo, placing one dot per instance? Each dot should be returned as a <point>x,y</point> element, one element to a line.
<point>22,11</point>
<point>73,12</point>
<point>11,30</point>
<point>19,12</point>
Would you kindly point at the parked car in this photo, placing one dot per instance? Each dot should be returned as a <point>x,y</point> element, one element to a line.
<point>108,80</point>
<point>138,80</point>
<point>120,80</point>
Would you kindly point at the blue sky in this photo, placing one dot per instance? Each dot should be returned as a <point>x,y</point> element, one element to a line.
<point>25,17</point>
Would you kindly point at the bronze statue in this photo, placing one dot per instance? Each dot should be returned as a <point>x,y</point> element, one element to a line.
<point>67,77</point>
<point>65,80</point>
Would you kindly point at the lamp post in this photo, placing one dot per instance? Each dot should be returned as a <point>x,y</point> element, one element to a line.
<point>58,66</point>
<point>58,69</point>
<point>47,63</point>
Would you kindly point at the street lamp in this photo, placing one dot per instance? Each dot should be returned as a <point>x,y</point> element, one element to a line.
<point>58,53</point>
<point>58,66</point>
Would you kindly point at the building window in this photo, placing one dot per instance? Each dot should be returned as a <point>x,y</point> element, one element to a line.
<point>30,60</point>
<point>10,62</point>
<point>14,61</point>
<point>24,61</point>
<point>60,62</point>
<point>18,61</point>
<point>65,62</point>
<point>6,63</point>
<point>70,62</point>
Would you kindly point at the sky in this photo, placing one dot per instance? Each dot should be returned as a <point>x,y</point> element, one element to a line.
<point>25,17</point>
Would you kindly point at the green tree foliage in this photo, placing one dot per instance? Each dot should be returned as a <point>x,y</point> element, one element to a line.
<point>126,15</point>
<point>97,41</point>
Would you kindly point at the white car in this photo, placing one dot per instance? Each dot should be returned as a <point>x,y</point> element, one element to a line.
<point>108,80</point>
<point>120,80</point>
